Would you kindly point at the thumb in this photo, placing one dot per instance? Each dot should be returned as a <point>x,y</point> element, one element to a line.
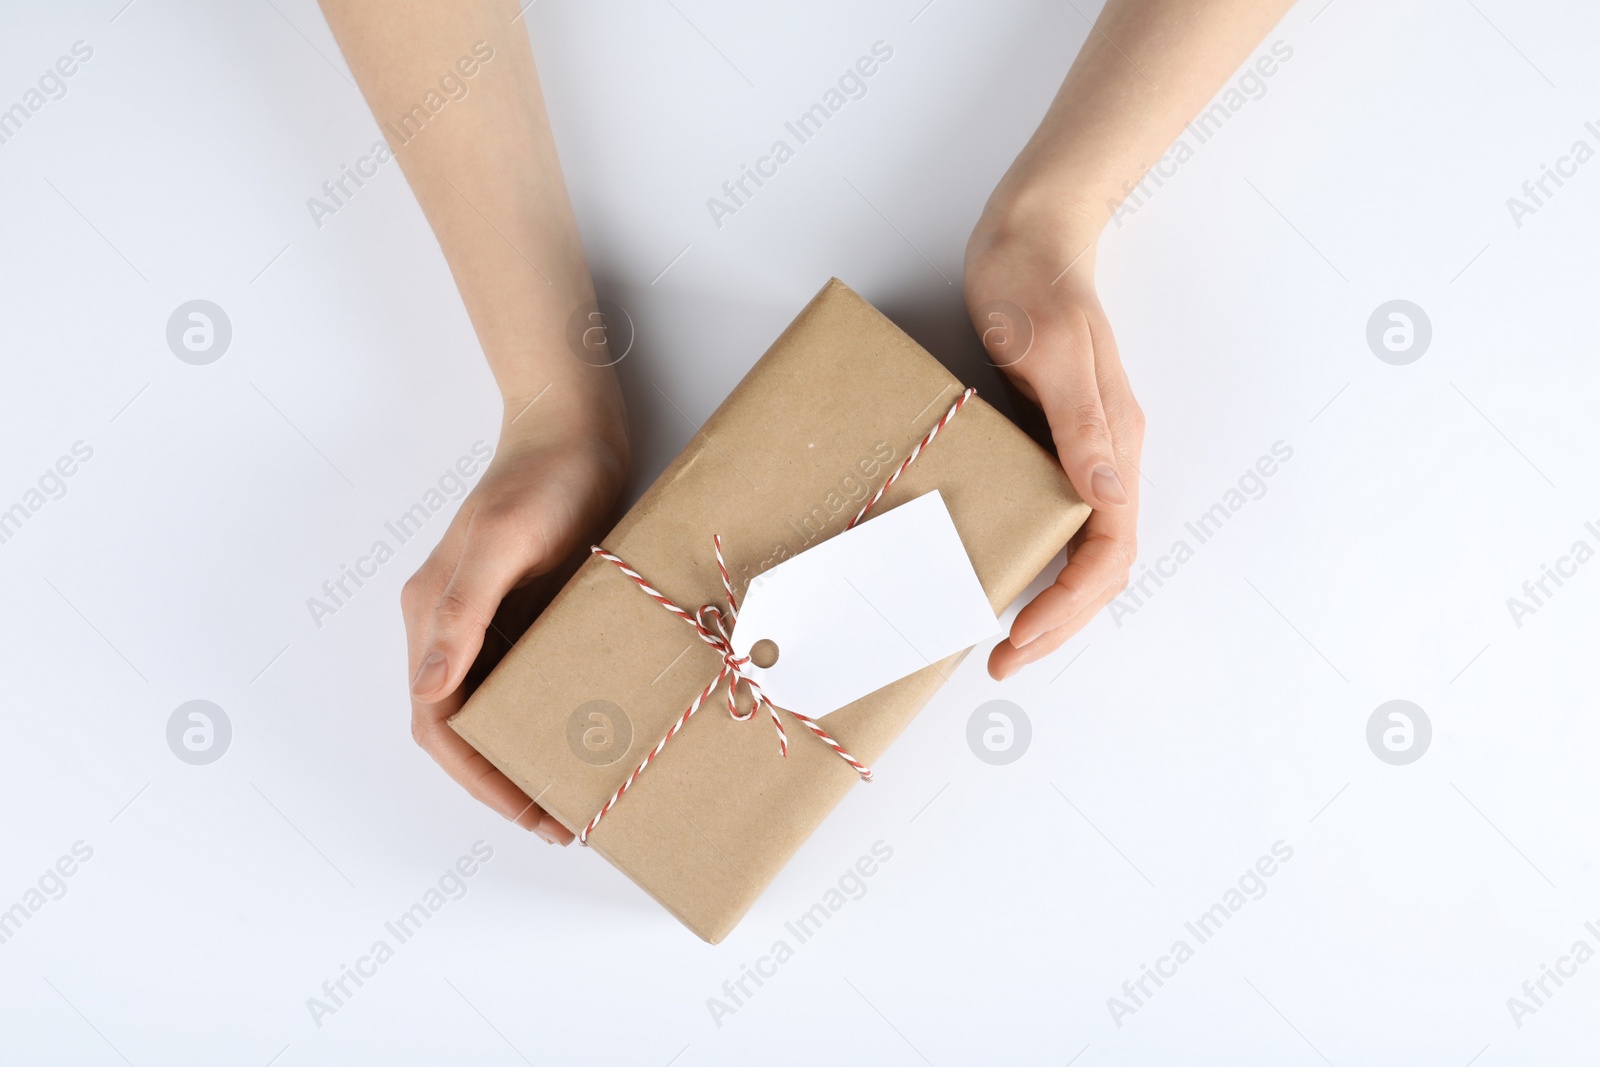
<point>497,555</point>
<point>1082,434</point>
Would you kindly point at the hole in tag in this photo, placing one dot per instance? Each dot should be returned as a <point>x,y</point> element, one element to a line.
<point>764,653</point>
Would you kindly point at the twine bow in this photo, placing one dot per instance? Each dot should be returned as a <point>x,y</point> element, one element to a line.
<point>716,630</point>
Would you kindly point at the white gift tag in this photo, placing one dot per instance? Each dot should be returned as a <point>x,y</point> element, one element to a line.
<point>864,609</point>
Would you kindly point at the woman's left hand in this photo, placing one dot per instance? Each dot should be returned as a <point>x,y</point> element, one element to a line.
<point>1071,369</point>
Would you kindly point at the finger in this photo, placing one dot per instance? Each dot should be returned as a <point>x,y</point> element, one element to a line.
<point>1102,558</point>
<point>431,730</point>
<point>429,725</point>
<point>498,553</point>
<point>1104,550</point>
<point>421,591</point>
<point>1069,391</point>
<point>1005,659</point>
<point>1123,413</point>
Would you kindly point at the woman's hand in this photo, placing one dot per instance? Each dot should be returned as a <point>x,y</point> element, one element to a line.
<point>486,174</point>
<point>1070,368</point>
<point>1145,69</point>
<point>553,480</point>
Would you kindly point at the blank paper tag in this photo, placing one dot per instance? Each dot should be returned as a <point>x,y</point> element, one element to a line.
<point>864,609</point>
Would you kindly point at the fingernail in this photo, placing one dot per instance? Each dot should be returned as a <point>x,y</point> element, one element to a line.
<point>550,830</point>
<point>1107,486</point>
<point>430,675</point>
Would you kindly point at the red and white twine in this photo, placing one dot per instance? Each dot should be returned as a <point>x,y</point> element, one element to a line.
<point>916,451</point>
<point>716,630</point>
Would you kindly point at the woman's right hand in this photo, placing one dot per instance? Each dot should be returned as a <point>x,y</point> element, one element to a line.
<point>486,173</point>
<point>552,482</point>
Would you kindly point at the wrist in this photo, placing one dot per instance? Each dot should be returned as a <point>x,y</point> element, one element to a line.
<point>572,404</point>
<point>1020,242</point>
<point>1040,213</point>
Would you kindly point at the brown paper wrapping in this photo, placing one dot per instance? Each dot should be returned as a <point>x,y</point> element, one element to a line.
<point>817,425</point>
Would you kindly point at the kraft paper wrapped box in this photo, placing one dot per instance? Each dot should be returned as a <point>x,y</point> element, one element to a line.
<point>820,422</point>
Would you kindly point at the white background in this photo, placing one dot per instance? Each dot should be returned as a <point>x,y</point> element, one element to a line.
<point>1168,753</point>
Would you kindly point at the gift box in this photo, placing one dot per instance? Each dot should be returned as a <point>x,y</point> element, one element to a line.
<point>823,421</point>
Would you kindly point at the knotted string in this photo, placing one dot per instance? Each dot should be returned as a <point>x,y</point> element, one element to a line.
<point>716,630</point>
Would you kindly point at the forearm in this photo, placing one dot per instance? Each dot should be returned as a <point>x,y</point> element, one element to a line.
<point>1147,68</point>
<point>482,163</point>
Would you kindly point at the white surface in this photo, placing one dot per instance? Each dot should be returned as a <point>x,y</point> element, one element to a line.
<point>864,608</point>
<point>1168,754</point>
